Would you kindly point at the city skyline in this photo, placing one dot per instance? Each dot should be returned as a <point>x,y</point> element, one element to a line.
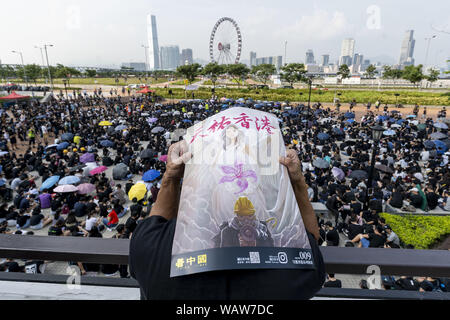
<point>115,35</point>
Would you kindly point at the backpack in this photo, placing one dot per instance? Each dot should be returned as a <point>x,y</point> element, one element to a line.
<point>65,209</point>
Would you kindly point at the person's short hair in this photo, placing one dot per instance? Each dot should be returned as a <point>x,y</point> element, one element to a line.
<point>331,275</point>
<point>363,284</point>
<point>120,228</point>
<point>379,228</point>
<point>329,224</point>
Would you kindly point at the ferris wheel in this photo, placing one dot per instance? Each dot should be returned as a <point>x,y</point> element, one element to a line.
<point>225,44</point>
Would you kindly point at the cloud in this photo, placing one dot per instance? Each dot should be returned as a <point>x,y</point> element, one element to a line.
<point>321,25</point>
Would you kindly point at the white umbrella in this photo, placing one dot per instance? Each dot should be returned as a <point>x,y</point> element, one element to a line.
<point>66,189</point>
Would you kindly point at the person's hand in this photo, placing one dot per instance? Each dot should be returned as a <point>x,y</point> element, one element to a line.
<point>293,165</point>
<point>178,155</point>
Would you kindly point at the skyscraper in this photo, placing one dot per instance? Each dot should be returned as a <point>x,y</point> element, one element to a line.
<point>153,50</point>
<point>187,57</point>
<point>407,51</point>
<point>347,51</point>
<point>325,60</point>
<point>170,57</point>
<point>252,59</point>
<point>309,57</point>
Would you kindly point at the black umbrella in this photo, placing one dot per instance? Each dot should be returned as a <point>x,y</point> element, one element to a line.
<point>359,175</point>
<point>120,172</point>
<point>338,131</point>
<point>148,154</point>
<point>321,163</point>
<point>384,168</point>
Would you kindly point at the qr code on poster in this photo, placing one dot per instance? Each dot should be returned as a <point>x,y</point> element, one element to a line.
<point>254,257</point>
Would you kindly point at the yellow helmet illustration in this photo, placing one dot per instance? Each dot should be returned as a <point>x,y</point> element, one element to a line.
<point>244,207</point>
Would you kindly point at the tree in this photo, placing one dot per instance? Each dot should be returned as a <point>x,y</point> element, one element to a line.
<point>413,74</point>
<point>392,73</point>
<point>213,71</point>
<point>33,72</point>
<point>371,71</point>
<point>91,73</point>
<point>448,72</point>
<point>263,72</point>
<point>238,72</point>
<point>433,75</point>
<point>190,72</point>
<point>293,72</point>
<point>344,71</point>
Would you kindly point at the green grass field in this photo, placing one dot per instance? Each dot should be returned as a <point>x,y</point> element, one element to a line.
<point>407,98</point>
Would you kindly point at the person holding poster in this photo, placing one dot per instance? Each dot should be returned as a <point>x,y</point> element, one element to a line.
<point>240,226</point>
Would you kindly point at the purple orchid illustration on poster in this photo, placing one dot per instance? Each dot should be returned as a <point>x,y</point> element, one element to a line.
<point>238,175</point>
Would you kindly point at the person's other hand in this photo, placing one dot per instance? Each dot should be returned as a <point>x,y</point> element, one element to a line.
<point>178,155</point>
<point>293,165</point>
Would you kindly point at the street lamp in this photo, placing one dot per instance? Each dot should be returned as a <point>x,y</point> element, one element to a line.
<point>428,49</point>
<point>23,66</point>
<point>146,56</point>
<point>377,133</point>
<point>42,57</point>
<point>48,65</point>
<point>65,81</point>
<point>310,80</point>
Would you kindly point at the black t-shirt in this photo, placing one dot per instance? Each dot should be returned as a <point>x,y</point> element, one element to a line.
<point>397,200</point>
<point>333,238</point>
<point>376,241</point>
<point>36,219</point>
<point>131,224</point>
<point>22,220</point>
<point>354,230</point>
<point>150,261</point>
<point>333,284</point>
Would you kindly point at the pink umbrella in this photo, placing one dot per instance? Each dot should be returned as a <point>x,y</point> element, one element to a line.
<point>98,170</point>
<point>66,189</point>
<point>163,158</point>
<point>86,188</point>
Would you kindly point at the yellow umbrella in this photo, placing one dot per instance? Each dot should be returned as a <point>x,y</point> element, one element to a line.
<point>137,191</point>
<point>105,124</point>
<point>77,139</point>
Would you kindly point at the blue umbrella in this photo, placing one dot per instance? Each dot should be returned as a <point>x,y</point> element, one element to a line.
<point>350,121</point>
<point>67,137</point>
<point>323,136</point>
<point>62,146</point>
<point>151,175</point>
<point>106,143</point>
<point>349,115</point>
<point>285,114</point>
<point>440,125</point>
<point>2,182</point>
<point>429,144</point>
<point>121,127</point>
<point>50,182</point>
<point>411,116</point>
<point>389,133</point>
<point>258,106</point>
<point>440,146</point>
<point>224,106</point>
<point>69,180</point>
<point>187,121</point>
<point>400,121</point>
<point>382,118</point>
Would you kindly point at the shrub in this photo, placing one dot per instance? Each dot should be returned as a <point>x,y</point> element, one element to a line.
<point>422,232</point>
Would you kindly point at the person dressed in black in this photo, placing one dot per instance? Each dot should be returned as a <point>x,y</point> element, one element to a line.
<point>333,282</point>
<point>151,251</point>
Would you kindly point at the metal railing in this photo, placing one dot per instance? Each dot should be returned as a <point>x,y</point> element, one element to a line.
<point>394,262</point>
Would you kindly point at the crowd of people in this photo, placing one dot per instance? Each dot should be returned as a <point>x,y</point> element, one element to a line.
<point>43,140</point>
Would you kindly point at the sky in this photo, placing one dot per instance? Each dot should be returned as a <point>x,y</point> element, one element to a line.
<point>110,32</point>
